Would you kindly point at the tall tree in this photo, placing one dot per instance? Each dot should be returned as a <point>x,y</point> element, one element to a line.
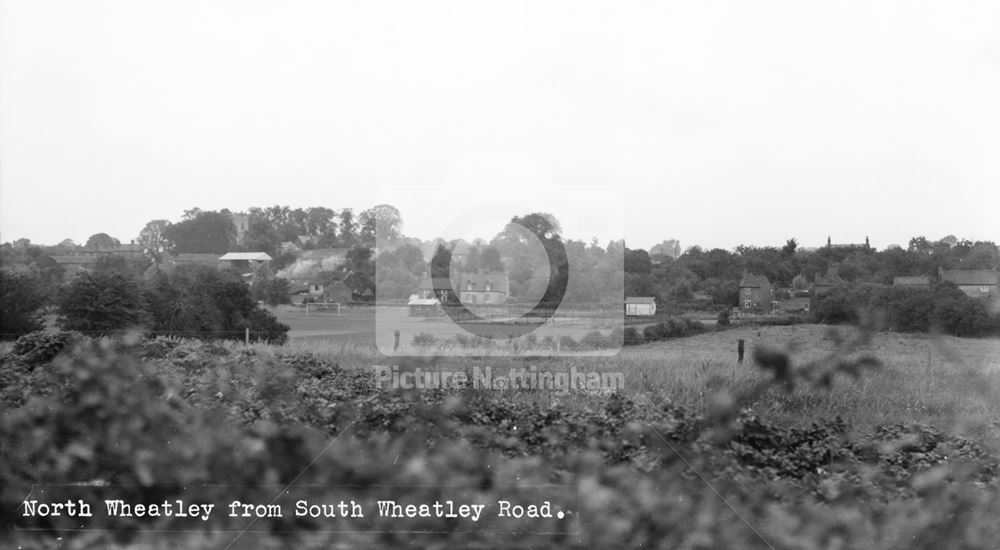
<point>101,241</point>
<point>208,232</point>
<point>152,238</point>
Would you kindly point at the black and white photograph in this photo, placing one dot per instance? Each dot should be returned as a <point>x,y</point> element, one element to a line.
<point>508,274</point>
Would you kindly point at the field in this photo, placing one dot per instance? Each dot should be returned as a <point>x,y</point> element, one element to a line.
<point>697,450</point>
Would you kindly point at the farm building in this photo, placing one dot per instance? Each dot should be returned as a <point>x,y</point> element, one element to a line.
<point>977,283</point>
<point>756,294</point>
<point>921,282</point>
<point>211,260</point>
<point>640,306</point>
<point>244,261</point>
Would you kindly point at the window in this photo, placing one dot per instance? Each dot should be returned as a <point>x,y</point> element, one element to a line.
<point>746,292</point>
<point>468,284</point>
<point>746,303</point>
<point>489,286</point>
<point>984,289</point>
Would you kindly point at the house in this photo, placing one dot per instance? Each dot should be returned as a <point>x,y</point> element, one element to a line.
<point>756,294</point>
<point>847,245</point>
<point>244,261</point>
<point>73,265</point>
<point>640,305</point>
<point>921,282</point>
<point>491,287</point>
<point>977,283</point>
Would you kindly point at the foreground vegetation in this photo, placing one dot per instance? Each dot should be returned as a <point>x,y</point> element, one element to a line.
<point>697,452</point>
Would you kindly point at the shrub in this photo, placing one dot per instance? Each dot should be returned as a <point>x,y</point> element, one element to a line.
<point>101,302</point>
<point>21,298</point>
<point>41,347</point>
<point>631,336</point>
<point>723,318</point>
<point>424,340</point>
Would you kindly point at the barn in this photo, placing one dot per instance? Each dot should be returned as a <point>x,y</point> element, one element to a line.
<point>640,306</point>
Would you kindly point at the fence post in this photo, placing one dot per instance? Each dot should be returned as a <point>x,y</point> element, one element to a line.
<point>246,336</point>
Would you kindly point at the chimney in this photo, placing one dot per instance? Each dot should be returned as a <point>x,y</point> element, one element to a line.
<point>828,241</point>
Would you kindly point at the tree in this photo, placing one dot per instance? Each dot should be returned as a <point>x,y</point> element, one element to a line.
<point>358,273</point>
<point>382,221</point>
<point>101,302</point>
<point>789,248</point>
<point>348,237</point>
<point>206,232</point>
<point>267,288</point>
<point>21,299</point>
<point>152,237</point>
<point>202,302</point>
<point>101,241</point>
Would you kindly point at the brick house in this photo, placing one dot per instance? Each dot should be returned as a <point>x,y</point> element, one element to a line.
<point>756,294</point>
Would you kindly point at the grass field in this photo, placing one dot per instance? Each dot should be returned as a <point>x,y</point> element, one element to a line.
<point>949,382</point>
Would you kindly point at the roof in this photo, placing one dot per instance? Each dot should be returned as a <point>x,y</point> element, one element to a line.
<point>74,260</point>
<point>196,258</point>
<point>970,277</point>
<point>640,300</point>
<point>758,281</point>
<point>920,280</point>
<point>237,256</point>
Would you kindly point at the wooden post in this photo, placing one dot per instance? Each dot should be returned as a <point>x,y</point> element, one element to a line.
<point>246,337</point>
<point>739,352</point>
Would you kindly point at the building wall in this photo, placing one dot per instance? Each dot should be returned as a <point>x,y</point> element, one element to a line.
<point>979,291</point>
<point>758,298</point>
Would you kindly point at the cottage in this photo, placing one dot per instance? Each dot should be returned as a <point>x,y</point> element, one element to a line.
<point>977,283</point>
<point>636,306</point>
<point>756,294</point>
<point>483,288</point>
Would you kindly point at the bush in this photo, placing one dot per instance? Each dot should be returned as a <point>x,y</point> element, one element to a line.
<point>101,302</point>
<point>21,298</point>
<point>944,308</point>
<point>201,302</point>
<point>424,340</point>
<point>41,347</point>
<point>631,337</point>
<point>723,318</point>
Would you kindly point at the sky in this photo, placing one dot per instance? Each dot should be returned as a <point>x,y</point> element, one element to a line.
<point>715,123</point>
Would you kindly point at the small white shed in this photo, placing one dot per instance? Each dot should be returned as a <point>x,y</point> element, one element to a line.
<point>640,306</point>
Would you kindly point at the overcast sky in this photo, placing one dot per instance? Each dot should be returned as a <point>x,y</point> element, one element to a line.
<point>718,123</point>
